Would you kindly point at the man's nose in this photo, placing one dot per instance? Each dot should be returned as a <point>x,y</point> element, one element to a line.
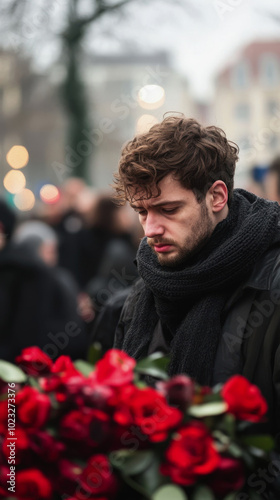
<point>153,226</point>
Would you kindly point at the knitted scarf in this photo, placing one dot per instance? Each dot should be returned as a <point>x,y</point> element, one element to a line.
<point>190,300</point>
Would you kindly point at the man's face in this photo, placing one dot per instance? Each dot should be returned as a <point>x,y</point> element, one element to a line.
<point>175,224</point>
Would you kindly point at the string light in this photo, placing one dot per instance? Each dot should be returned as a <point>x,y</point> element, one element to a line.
<point>14,181</point>
<point>25,200</point>
<point>49,194</point>
<point>151,96</point>
<point>17,157</point>
<point>144,123</point>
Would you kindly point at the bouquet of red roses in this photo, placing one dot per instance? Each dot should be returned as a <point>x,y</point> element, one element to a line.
<point>81,432</point>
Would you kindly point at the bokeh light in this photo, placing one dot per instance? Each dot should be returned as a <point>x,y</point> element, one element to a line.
<point>25,200</point>
<point>144,123</point>
<point>151,96</point>
<point>14,181</point>
<point>17,157</point>
<point>49,194</point>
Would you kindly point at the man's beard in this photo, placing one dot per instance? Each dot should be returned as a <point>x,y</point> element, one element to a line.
<point>193,243</point>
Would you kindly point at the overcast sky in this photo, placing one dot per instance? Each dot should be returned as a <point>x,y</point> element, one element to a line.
<point>224,30</point>
<point>202,35</point>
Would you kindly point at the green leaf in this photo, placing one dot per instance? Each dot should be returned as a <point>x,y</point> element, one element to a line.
<point>154,365</point>
<point>83,367</point>
<point>33,382</point>
<point>212,398</point>
<point>249,460</point>
<point>228,425</point>
<point>169,492</point>
<point>217,388</point>
<point>94,353</point>
<point>263,441</point>
<point>207,409</point>
<point>151,478</point>
<point>202,493</point>
<point>157,356</point>
<point>11,373</point>
<point>131,462</point>
<point>221,437</point>
<point>235,450</point>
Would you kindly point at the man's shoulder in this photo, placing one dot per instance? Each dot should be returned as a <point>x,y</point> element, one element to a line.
<point>266,272</point>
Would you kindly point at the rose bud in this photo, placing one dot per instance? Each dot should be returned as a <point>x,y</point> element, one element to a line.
<point>178,391</point>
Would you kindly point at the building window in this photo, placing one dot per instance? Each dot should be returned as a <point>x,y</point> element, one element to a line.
<point>269,70</point>
<point>241,75</point>
<point>242,111</point>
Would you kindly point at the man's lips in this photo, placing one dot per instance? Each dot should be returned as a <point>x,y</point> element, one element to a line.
<point>165,247</point>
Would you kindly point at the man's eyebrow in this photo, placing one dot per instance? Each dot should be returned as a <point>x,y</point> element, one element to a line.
<point>160,203</point>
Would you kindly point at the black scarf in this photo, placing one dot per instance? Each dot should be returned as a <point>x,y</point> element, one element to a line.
<point>190,301</point>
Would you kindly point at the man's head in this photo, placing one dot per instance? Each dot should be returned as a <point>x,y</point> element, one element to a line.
<point>196,156</point>
<point>179,178</point>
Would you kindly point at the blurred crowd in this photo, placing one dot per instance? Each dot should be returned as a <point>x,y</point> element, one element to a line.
<point>60,268</point>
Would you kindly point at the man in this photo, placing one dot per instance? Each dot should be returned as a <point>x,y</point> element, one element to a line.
<point>209,293</point>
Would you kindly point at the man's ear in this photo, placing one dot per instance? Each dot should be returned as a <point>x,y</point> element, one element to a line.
<point>218,194</point>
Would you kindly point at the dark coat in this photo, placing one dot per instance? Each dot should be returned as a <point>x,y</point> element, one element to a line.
<point>37,307</point>
<point>250,340</point>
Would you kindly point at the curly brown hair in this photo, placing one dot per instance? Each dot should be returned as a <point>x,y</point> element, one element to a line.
<point>196,156</point>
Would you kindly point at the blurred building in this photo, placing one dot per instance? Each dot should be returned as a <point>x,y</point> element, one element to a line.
<point>247,103</point>
<point>127,94</point>
<point>31,116</point>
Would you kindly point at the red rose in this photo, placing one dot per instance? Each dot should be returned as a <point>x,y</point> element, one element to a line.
<point>179,391</point>
<point>32,484</point>
<point>86,425</point>
<point>114,369</point>
<point>190,455</point>
<point>65,380</point>
<point>33,408</point>
<point>97,479</point>
<point>70,389</point>
<point>34,361</point>
<point>64,366</point>
<point>45,446</point>
<point>147,409</point>
<point>62,371</point>
<point>228,477</point>
<point>66,480</point>
<point>244,399</point>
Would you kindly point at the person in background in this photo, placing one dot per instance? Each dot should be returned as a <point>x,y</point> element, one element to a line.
<point>69,217</point>
<point>41,240</point>
<point>113,251</point>
<point>257,180</point>
<point>37,308</point>
<point>272,181</point>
